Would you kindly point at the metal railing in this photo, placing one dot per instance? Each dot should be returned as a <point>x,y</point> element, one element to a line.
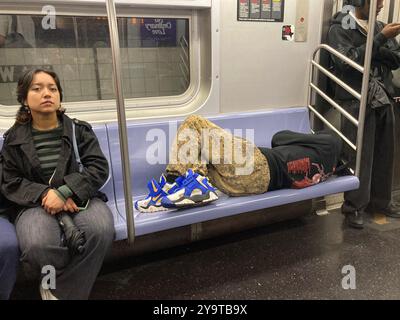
<point>361,96</point>
<point>184,62</point>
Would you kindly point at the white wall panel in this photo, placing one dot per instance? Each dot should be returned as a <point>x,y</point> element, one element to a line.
<point>258,69</point>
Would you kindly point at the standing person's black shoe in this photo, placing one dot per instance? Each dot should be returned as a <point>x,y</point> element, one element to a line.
<point>391,211</point>
<point>355,219</point>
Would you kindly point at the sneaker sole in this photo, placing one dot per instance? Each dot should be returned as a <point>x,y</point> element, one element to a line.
<point>152,209</point>
<point>195,200</point>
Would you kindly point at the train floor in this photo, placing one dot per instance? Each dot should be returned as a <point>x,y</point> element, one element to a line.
<point>314,257</point>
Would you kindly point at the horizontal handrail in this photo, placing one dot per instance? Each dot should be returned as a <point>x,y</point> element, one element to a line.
<point>337,80</point>
<point>365,70</point>
<point>345,86</point>
<point>350,62</point>
<point>332,127</point>
<point>335,105</point>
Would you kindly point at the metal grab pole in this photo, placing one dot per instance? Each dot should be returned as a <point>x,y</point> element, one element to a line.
<point>123,136</point>
<point>365,83</point>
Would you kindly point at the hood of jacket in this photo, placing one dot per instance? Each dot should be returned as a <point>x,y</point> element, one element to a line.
<point>341,17</point>
<point>338,18</point>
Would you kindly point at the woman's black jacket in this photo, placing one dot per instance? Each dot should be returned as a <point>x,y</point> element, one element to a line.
<point>23,181</point>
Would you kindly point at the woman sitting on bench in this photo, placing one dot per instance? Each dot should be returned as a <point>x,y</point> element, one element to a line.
<point>205,157</point>
<point>42,175</point>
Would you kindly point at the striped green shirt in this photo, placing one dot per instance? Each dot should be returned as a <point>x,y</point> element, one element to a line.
<point>48,147</point>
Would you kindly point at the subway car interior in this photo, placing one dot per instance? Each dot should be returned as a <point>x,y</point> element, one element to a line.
<point>136,69</point>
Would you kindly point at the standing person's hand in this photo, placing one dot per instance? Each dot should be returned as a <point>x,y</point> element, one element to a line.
<point>391,30</point>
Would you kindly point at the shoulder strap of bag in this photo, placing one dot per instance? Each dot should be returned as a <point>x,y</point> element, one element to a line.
<point>77,157</point>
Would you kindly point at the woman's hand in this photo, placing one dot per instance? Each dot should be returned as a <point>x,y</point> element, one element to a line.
<point>70,206</point>
<point>52,203</point>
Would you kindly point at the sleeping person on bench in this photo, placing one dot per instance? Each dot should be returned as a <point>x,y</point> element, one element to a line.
<point>205,157</point>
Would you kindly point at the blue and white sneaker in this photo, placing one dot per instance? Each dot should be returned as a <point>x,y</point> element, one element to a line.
<point>158,190</point>
<point>195,191</point>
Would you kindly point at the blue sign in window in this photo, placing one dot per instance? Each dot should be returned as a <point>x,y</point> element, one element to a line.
<point>158,32</point>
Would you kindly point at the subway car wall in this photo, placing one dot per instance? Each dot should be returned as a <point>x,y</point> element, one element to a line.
<point>175,60</point>
<point>78,49</point>
<point>159,59</point>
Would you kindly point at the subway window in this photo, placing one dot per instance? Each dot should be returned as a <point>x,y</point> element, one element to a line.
<point>155,55</point>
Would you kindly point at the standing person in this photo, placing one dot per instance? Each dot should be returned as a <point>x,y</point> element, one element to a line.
<point>17,31</point>
<point>41,174</point>
<point>377,158</point>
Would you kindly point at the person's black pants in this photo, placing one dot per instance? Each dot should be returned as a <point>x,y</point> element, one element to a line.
<point>307,158</point>
<point>376,169</point>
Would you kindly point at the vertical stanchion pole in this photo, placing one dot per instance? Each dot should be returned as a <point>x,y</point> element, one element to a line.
<point>123,136</point>
<point>365,83</point>
<point>310,93</point>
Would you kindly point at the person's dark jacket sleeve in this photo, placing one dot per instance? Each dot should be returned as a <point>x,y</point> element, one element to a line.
<point>340,39</point>
<point>17,188</point>
<point>390,56</point>
<point>85,185</point>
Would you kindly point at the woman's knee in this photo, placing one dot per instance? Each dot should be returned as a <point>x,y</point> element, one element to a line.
<point>101,222</point>
<point>37,231</point>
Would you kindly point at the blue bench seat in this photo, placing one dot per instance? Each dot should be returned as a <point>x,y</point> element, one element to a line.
<point>265,124</point>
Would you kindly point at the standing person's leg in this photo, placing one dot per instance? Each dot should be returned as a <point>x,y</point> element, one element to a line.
<point>78,277</point>
<point>382,172</point>
<point>357,200</point>
<point>9,254</point>
<point>234,165</point>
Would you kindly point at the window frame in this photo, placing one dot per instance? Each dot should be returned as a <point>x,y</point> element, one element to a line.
<point>102,106</point>
<point>196,4</point>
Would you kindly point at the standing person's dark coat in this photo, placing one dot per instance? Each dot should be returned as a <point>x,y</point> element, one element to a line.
<point>377,159</point>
